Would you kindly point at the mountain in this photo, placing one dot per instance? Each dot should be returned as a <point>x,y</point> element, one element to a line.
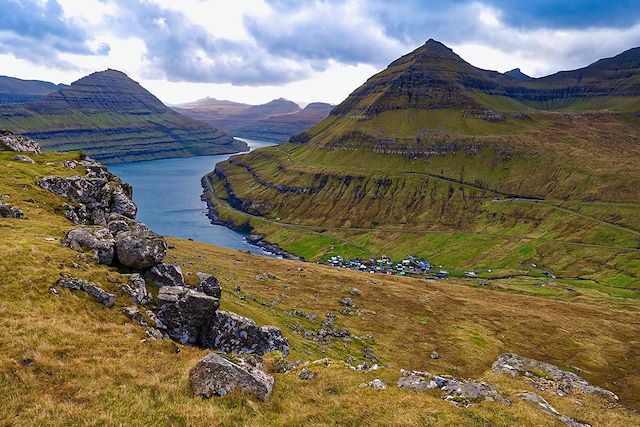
<point>13,90</point>
<point>276,120</point>
<point>281,127</point>
<point>114,119</point>
<point>469,167</point>
<point>517,74</point>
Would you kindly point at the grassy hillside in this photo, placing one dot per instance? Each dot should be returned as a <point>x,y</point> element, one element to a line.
<point>70,361</point>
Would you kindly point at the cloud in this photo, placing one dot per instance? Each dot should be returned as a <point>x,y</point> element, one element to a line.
<point>179,50</point>
<point>39,32</point>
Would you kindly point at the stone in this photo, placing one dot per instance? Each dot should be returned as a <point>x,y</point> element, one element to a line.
<point>355,292</point>
<point>376,384</point>
<point>134,314</point>
<point>209,285</point>
<point>265,276</point>
<point>414,380</point>
<point>97,240</point>
<point>546,407</point>
<point>217,376</point>
<point>165,275</point>
<point>53,291</point>
<point>232,333</point>
<point>137,291</point>
<point>546,376</point>
<point>184,312</point>
<point>23,159</point>
<point>11,142</point>
<point>8,211</point>
<point>96,195</point>
<point>347,302</point>
<point>434,355</point>
<point>140,248</point>
<point>307,374</point>
<point>99,294</point>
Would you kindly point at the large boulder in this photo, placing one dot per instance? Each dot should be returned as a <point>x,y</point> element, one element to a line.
<point>232,333</point>
<point>23,159</point>
<point>546,376</point>
<point>8,211</point>
<point>165,275</point>
<point>140,248</point>
<point>99,294</point>
<point>98,240</point>
<point>217,376</point>
<point>184,312</point>
<point>209,285</point>
<point>11,142</point>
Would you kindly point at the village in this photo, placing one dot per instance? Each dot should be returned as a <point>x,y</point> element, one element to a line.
<point>412,265</point>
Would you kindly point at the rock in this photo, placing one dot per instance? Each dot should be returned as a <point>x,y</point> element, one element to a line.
<point>209,285</point>
<point>165,275</point>
<point>217,376</point>
<point>369,354</point>
<point>414,380</point>
<point>134,314</point>
<point>434,355</point>
<point>232,333</point>
<point>307,374</point>
<point>459,392</point>
<point>97,194</point>
<point>543,404</point>
<point>97,240</point>
<point>53,291</point>
<point>99,294</point>
<point>355,292</point>
<point>546,407</point>
<point>347,302</point>
<point>184,312</point>
<point>364,366</point>
<point>11,142</point>
<point>547,376</point>
<point>140,248</point>
<point>376,384</point>
<point>23,159</point>
<point>137,291</point>
<point>8,211</point>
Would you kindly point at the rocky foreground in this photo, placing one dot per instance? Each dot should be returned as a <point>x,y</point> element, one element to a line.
<point>175,307</point>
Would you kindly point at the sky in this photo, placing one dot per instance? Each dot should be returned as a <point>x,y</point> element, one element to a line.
<point>317,50</point>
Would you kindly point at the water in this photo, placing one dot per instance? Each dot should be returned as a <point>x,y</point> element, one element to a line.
<point>168,191</point>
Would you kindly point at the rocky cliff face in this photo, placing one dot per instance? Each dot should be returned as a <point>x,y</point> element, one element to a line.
<point>114,119</point>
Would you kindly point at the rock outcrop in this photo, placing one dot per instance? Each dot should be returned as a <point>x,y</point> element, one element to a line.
<point>546,376</point>
<point>546,407</point>
<point>23,159</point>
<point>96,195</point>
<point>137,290</point>
<point>184,312</point>
<point>165,275</point>
<point>8,211</point>
<point>98,240</point>
<point>99,294</point>
<point>232,333</point>
<point>458,391</point>
<point>11,142</point>
<point>209,285</point>
<point>140,248</point>
<point>217,376</point>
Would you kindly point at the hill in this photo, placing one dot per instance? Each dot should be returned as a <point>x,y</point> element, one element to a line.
<point>68,360</point>
<point>276,120</point>
<point>469,168</point>
<point>15,91</point>
<point>114,119</point>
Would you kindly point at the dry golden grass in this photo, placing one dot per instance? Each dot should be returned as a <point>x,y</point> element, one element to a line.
<point>71,361</point>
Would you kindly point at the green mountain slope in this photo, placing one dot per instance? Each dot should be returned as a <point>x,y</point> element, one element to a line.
<point>14,90</point>
<point>114,119</point>
<point>471,168</point>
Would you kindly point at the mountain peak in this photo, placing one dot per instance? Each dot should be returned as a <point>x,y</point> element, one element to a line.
<point>516,73</point>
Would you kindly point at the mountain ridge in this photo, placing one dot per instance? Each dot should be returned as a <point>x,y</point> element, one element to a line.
<point>113,118</point>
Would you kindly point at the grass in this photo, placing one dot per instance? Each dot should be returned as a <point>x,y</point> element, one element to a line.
<point>70,361</point>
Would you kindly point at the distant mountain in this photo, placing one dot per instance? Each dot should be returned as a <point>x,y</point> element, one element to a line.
<point>13,90</point>
<point>114,119</point>
<point>517,74</point>
<point>276,120</point>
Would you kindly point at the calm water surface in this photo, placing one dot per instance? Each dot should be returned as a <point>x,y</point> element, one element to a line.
<point>168,191</point>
